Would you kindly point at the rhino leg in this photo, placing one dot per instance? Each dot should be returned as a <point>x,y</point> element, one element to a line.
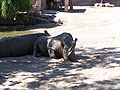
<point>36,51</point>
<point>65,53</point>
<point>72,57</point>
<point>40,47</point>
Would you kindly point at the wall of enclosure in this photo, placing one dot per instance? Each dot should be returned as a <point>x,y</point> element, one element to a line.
<point>92,2</point>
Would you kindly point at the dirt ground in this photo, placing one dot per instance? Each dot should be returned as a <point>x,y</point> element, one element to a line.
<point>97,50</point>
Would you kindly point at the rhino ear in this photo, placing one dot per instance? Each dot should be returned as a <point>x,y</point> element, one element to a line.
<point>76,39</point>
<point>46,32</point>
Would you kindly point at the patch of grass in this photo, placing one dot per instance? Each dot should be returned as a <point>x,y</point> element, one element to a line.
<point>13,33</point>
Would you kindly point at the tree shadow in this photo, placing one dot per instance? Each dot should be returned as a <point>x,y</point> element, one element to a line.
<point>46,69</point>
<point>112,84</point>
<point>105,57</point>
<point>51,73</point>
<point>12,65</point>
<point>102,57</point>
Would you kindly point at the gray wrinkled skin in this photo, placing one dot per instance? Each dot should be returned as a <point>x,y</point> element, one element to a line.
<point>61,46</point>
<point>18,45</point>
<point>40,47</point>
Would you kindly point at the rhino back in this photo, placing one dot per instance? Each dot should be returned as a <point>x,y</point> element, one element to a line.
<point>65,38</point>
<point>18,45</point>
<point>22,45</point>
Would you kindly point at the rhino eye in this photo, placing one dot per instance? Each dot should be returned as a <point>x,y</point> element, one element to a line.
<point>51,53</point>
<point>66,48</point>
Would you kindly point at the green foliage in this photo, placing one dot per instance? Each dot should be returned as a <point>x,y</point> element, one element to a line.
<point>0,7</point>
<point>4,9</point>
<point>11,12</point>
<point>10,8</point>
<point>24,5</point>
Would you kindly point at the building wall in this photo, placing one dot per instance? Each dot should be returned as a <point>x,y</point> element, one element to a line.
<point>41,4</point>
<point>115,2</point>
<point>80,3</point>
<point>92,2</point>
<point>84,2</point>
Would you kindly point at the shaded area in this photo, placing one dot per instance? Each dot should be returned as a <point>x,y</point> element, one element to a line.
<point>73,10</point>
<point>58,74</point>
<point>24,28</point>
<point>99,85</point>
<point>27,21</point>
<point>90,57</point>
<point>77,11</point>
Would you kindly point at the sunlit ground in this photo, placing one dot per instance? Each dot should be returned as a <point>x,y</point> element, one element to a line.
<point>97,50</point>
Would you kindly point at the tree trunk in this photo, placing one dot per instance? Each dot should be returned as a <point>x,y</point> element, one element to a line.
<point>66,5</point>
<point>101,1</point>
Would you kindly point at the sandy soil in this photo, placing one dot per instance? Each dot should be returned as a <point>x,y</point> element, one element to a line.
<point>97,50</point>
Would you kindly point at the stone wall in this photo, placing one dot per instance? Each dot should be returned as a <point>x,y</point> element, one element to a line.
<point>80,3</point>
<point>115,2</point>
<point>84,2</point>
<point>92,2</point>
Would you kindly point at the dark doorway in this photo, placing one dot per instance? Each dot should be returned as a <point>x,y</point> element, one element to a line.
<point>50,4</point>
<point>53,4</point>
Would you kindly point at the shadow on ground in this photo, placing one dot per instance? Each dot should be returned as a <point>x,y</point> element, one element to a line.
<point>103,57</point>
<point>44,20</point>
<point>77,11</point>
<point>28,27</point>
<point>99,85</point>
<point>57,74</point>
<point>74,10</point>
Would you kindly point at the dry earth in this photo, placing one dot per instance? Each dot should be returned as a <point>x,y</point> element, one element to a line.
<point>97,50</point>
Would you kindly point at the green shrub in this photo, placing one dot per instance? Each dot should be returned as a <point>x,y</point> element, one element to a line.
<point>10,8</point>
<point>0,8</point>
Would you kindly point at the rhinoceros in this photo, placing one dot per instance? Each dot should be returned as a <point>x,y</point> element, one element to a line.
<point>61,46</point>
<point>19,45</point>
